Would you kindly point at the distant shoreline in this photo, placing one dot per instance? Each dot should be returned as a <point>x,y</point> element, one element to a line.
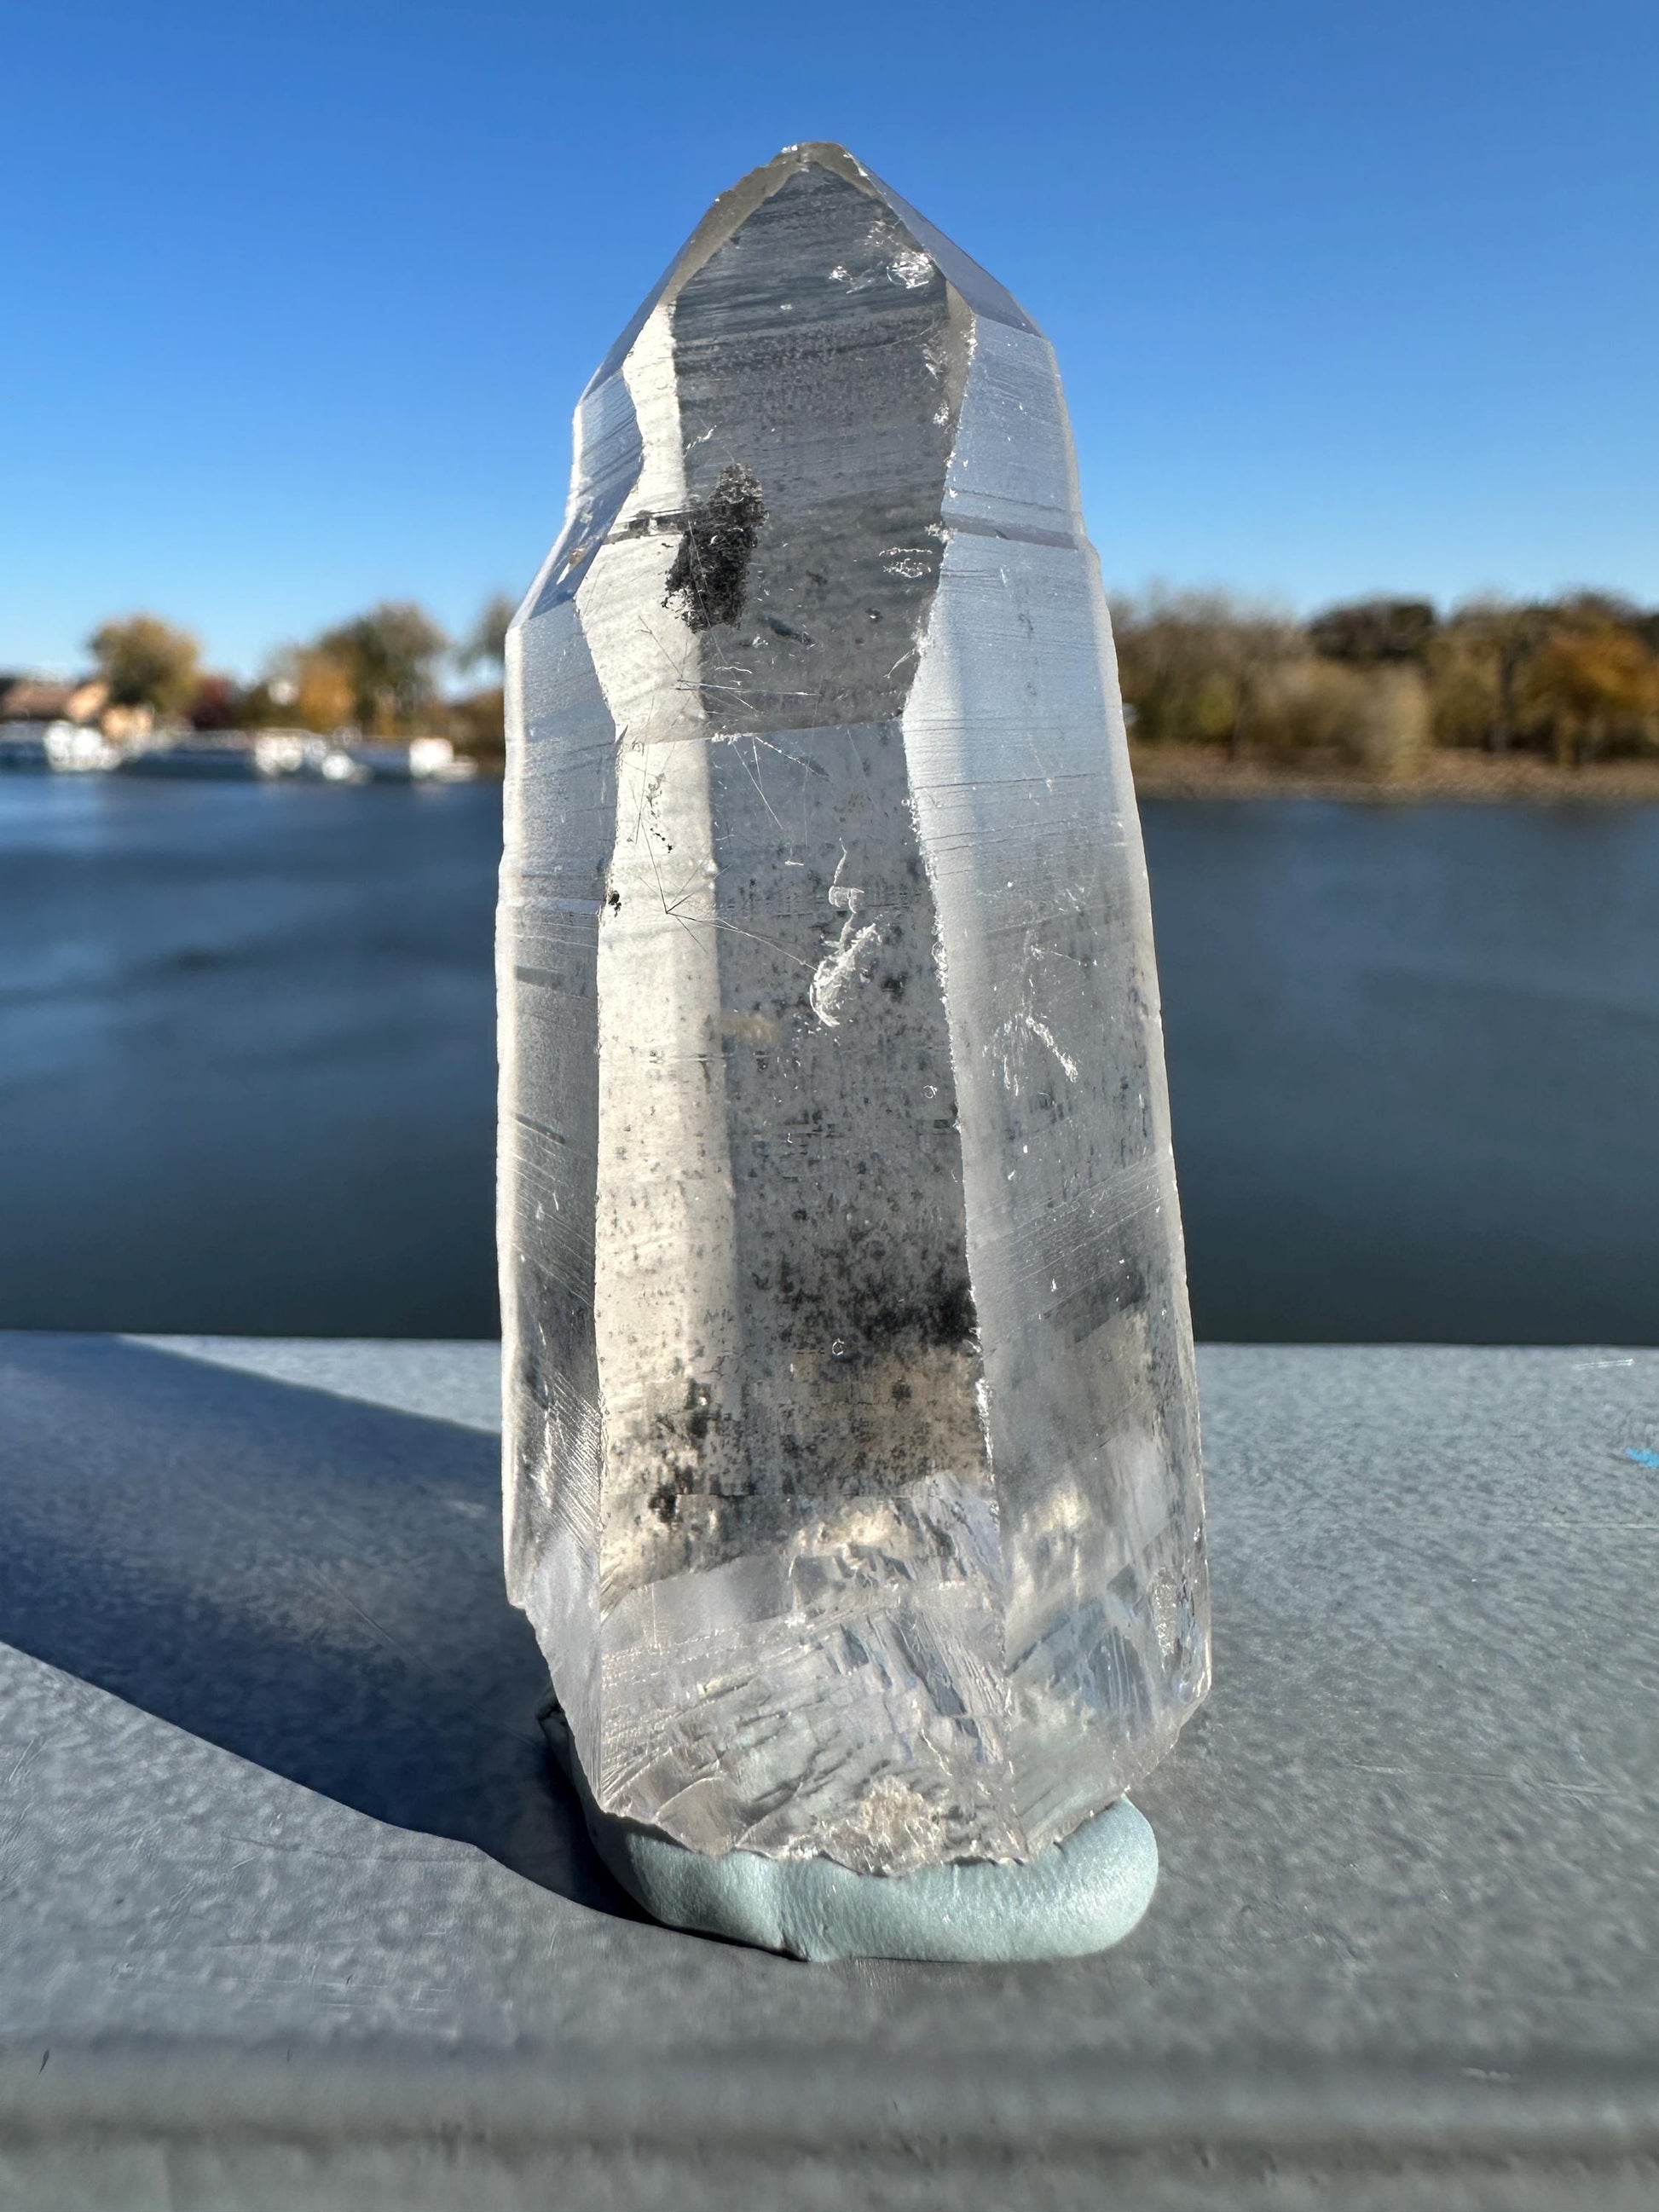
<point>1189,771</point>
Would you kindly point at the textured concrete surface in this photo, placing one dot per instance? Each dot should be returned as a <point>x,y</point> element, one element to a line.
<point>293,1912</point>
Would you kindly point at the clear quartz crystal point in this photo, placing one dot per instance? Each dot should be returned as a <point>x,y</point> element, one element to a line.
<point>851,1449</point>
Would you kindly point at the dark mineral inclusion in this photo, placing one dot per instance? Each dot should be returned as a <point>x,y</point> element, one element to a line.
<point>852,1442</point>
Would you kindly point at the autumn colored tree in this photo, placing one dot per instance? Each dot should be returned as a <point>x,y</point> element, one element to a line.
<point>1594,685</point>
<point>1479,662</point>
<point>307,686</point>
<point>1375,717</point>
<point>216,703</point>
<point>325,690</point>
<point>147,662</point>
<point>475,726</point>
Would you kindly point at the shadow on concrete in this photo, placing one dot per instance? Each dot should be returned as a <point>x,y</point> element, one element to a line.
<point>312,1583</point>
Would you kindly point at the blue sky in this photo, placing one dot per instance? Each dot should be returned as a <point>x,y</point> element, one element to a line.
<point>1347,296</point>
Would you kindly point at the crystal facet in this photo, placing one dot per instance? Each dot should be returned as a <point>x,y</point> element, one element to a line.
<point>852,1445</point>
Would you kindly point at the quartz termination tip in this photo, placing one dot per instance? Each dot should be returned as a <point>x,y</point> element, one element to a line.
<point>852,1442</point>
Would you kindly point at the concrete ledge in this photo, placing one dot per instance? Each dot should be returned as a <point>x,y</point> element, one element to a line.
<point>292,1910</point>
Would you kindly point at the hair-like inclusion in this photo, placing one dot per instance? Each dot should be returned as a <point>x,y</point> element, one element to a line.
<point>852,1455</point>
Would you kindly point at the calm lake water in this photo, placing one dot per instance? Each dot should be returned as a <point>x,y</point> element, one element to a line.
<point>247,1059</point>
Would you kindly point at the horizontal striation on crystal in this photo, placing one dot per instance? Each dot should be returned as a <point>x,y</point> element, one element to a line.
<point>852,1449</point>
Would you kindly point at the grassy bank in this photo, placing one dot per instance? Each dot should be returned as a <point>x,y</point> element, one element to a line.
<point>1196,771</point>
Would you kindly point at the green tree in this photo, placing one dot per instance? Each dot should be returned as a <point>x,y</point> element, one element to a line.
<point>485,643</point>
<point>147,662</point>
<point>388,657</point>
<point>1369,632</point>
<point>1194,665</point>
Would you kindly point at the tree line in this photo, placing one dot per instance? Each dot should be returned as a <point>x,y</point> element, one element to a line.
<point>1379,681</point>
<point>381,674</point>
<point>1376,683</point>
